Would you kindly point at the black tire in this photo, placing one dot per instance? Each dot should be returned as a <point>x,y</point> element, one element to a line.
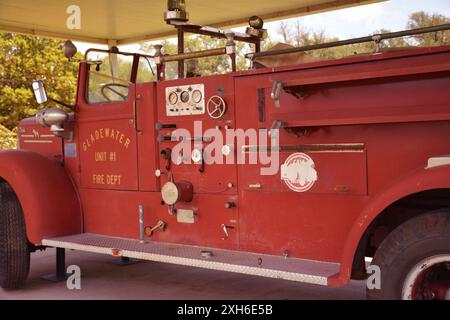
<point>421,237</point>
<point>14,250</point>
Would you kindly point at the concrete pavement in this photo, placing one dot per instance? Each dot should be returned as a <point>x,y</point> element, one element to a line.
<point>101,279</point>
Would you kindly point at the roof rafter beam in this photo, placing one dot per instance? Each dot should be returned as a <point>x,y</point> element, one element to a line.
<point>52,35</point>
<point>334,4</point>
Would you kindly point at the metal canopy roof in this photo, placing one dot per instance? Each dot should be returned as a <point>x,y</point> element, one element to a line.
<point>131,21</point>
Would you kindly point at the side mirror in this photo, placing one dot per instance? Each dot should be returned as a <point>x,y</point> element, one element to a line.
<point>39,91</point>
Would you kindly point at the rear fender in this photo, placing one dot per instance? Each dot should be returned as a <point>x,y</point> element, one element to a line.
<point>46,193</point>
<point>420,180</point>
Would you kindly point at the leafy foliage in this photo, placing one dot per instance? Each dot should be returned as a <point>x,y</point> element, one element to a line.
<point>24,59</point>
<point>422,19</point>
<point>7,138</point>
<point>205,66</point>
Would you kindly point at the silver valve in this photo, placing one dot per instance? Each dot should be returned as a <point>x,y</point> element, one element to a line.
<point>149,231</point>
<point>276,126</point>
<point>225,228</point>
<point>275,94</point>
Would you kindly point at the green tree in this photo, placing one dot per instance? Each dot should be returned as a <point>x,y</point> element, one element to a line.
<point>27,58</point>
<point>296,35</point>
<point>7,138</point>
<point>422,19</point>
<point>204,66</point>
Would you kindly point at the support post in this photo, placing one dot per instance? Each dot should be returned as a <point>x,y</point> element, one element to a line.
<point>233,62</point>
<point>61,274</point>
<point>258,47</point>
<point>61,263</point>
<point>160,66</point>
<point>113,59</point>
<point>180,51</point>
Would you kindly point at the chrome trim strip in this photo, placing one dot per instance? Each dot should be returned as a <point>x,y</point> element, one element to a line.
<point>38,141</point>
<point>310,148</point>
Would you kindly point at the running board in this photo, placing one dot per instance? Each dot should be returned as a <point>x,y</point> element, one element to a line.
<point>269,266</point>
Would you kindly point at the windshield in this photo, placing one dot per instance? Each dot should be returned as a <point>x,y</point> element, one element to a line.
<point>109,78</point>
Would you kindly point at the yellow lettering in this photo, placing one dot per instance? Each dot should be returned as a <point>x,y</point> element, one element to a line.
<point>113,179</point>
<point>127,143</point>
<point>100,156</point>
<point>106,133</point>
<point>98,179</point>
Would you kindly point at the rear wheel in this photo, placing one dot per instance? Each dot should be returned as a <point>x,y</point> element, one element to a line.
<point>414,260</point>
<point>14,251</point>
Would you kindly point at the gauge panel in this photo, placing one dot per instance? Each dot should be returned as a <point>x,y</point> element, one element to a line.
<point>185,100</point>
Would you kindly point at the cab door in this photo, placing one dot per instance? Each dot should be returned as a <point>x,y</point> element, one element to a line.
<point>107,126</point>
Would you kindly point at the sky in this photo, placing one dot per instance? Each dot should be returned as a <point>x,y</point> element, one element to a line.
<point>364,20</point>
<point>348,23</point>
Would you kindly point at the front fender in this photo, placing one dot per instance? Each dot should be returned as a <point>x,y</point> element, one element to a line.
<point>417,181</point>
<point>46,193</point>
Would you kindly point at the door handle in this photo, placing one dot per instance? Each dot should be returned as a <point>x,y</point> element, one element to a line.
<point>138,97</point>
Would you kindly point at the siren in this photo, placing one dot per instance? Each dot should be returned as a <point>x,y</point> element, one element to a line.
<point>176,11</point>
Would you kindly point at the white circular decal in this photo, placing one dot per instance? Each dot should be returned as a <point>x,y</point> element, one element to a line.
<point>299,172</point>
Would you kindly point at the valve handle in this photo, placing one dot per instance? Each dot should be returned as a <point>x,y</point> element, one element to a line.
<point>217,107</point>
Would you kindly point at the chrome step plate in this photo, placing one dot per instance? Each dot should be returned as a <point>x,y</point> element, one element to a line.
<point>269,266</point>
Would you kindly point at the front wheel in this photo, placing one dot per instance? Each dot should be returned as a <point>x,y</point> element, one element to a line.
<point>14,250</point>
<point>414,260</point>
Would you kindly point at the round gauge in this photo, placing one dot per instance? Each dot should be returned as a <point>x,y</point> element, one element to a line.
<point>197,155</point>
<point>197,96</point>
<point>173,98</point>
<point>185,96</point>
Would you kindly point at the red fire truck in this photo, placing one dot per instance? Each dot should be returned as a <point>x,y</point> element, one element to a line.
<point>360,147</point>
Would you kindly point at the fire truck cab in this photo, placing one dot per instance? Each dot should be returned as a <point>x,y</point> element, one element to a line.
<point>297,172</point>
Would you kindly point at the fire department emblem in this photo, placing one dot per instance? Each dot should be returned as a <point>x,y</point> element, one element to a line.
<point>299,172</point>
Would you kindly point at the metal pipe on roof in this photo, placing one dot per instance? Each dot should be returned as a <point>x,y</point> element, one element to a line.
<point>376,38</point>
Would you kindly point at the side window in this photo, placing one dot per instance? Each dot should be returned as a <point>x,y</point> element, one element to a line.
<point>109,80</point>
<point>146,70</point>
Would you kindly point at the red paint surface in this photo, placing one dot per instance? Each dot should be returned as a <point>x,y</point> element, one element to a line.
<point>46,194</point>
<point>399,114</point>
